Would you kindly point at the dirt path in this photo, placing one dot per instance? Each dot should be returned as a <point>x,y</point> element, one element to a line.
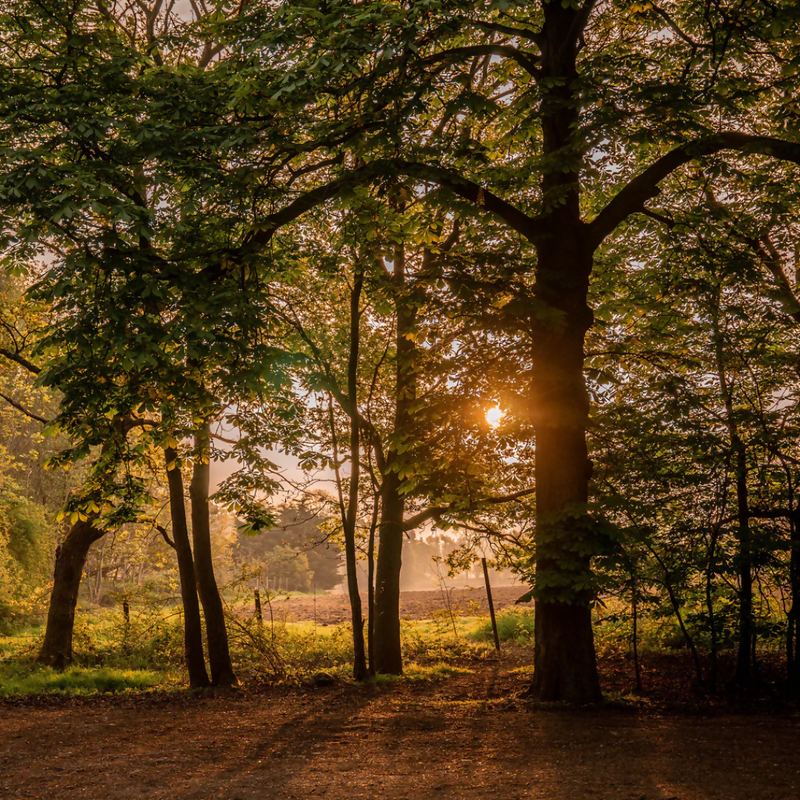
<point>333,608</point>
<point>456,739</point>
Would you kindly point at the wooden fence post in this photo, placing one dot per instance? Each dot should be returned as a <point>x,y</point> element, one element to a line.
<point>491,605</point>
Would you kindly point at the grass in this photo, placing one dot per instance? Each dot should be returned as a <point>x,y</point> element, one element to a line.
<point>146,651</point>
<point>19,679</point>
<point>415,673</point>
<point>513,625</point>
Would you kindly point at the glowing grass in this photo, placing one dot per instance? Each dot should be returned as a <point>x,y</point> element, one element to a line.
<point>513,625</point>
<point>423,672</point>
<point>35,680</point>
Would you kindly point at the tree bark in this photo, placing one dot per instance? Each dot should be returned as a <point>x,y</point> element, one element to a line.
<point>71,555</point>
<point>387,650</point>
<point>218,654</point>
<point>565,667</point>
<point>193,629</point>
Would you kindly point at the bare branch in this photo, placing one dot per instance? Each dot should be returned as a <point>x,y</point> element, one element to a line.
<point>507,30</point>
<point>531,227</point>
<point>163,531</point>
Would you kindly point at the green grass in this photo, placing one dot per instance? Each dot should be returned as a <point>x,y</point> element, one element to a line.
<point>112,655</point>
<point>19,679</point>
<point>422,672</point>
<point>513,625</point>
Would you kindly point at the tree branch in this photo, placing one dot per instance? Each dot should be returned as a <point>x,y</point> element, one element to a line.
<point>530,227</point>
<point>21,360</point>
<point>632,197</point>
<point>507,30</point>
<point>23,410</point>
<point>163,531</point>
<point>436,512</point>
<point>525,60</point>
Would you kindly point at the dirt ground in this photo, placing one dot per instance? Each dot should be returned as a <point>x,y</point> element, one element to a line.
<point>466,737</point>
<point>333,608</point>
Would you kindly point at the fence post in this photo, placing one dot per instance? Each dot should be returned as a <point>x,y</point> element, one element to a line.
<point>491,605</point>
<point>259,616</point>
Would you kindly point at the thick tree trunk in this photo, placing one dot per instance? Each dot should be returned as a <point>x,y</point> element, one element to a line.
<point>387,650</point>
<point>565,667</point>
<point>218,654</point>
<point>71,555</point>
<point>193,629</point>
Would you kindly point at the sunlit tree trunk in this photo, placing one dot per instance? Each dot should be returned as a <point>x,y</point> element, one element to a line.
<point>218,653</point>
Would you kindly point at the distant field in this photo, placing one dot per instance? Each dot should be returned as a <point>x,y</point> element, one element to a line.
<point>333,608</point>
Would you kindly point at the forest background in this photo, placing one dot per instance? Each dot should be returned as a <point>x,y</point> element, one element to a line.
<point>527,270</point>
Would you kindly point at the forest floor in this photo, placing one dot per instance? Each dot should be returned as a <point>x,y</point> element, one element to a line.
<point>469,736</point>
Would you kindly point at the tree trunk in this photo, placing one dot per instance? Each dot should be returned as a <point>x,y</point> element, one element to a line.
<point>565,665</point>
<point>71,555</point>
<point>351,514</point>
<point>193,629</point>
<point>744,662</point>
<point>218,654</point>
<point>387,649</point>
<point>712,620</point>
<point>792,632</point>
<point>371,586</point>
<point>635,633</point>
<point>744,557</point>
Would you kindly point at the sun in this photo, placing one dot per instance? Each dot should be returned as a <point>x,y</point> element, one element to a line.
<point>494,416</point>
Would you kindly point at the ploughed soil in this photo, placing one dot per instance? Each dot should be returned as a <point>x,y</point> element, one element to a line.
<point>471,736</point>
<point>334,608</point>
